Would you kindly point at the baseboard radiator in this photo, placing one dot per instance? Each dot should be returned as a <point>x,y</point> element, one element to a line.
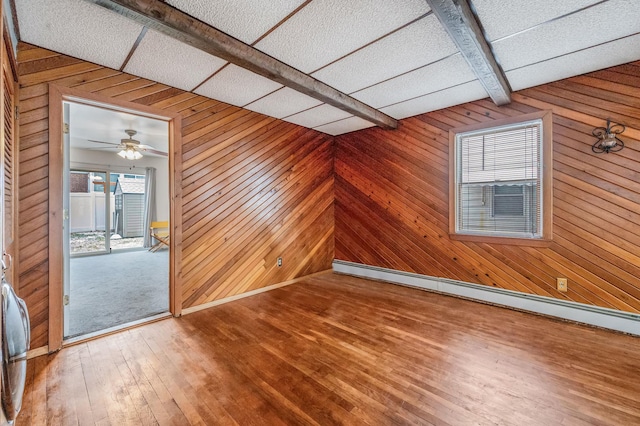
<point>593,315</point>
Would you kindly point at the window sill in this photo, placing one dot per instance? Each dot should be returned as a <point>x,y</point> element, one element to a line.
<point>530,242</point>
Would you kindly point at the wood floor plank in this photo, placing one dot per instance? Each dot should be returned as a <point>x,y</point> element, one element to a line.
<point>334,349</point>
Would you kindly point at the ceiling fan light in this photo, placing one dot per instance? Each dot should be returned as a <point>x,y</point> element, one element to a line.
<point>130,154</point>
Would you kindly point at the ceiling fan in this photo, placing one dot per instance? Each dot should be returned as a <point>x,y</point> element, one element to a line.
<point>130,148</point>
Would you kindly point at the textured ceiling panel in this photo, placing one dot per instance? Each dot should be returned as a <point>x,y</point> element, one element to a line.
<point>237,86</point>
<point>446,73</point>
<point>603,56</point>
<point>372,49</point>
<point>585,29</point>
<point>245,20</point>
<point>420,43</point>
<point>326,30</point>
<point>317,116</point>
<point>78,29</point>
<point>166,60</point>
<point>347,125</point>
<point>445,98</point>
<point>502,18</point>
<point>282,103</point>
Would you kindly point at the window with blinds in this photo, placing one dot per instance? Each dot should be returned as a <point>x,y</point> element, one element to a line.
<point>498,181</point>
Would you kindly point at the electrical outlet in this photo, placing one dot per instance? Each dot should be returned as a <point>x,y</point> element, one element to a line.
<point>562,284</point>
<point>279,262</point>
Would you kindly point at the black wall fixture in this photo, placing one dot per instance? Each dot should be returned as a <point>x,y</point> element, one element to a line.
<point>608,138</point>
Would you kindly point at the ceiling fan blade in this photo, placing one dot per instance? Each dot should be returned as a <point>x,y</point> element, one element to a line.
<point>106,143</point>
<point>150,149</point>
<point>155,151</point>
<point>128,144</point>
<point>102,148</point>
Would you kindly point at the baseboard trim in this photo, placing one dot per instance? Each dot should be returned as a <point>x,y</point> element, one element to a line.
<point>593,315</point>
<point>42,350</point>
<point>208,305</point>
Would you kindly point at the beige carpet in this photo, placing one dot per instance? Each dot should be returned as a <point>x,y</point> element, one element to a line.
<point>113,289</point>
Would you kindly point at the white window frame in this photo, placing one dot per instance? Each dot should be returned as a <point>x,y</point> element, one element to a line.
<point>545,234</point>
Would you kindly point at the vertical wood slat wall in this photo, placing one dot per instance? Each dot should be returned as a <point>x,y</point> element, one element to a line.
<point>9,163</point>
<point>392,196</point>
<point>254,187</point>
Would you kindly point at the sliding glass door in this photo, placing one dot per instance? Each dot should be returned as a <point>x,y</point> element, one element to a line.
<point>91,206</point>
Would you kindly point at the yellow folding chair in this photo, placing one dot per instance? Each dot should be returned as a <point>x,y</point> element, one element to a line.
<point>159,231</point>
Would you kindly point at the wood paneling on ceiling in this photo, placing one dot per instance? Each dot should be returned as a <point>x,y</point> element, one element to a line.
<point>391,196</point>
<point>254,187</point>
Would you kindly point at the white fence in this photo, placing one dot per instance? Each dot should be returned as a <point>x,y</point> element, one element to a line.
<point>87,211</point>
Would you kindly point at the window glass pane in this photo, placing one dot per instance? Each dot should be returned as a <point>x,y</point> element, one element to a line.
<point>98,177</point>
<point>508,190</point>
<point>508,155</point>
<point>508,200</point>
<point>508,206</point>
<point>498,181</point>
<point>114,179</point>
<point>79,182</point>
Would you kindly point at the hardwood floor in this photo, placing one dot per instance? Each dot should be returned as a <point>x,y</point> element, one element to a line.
<point>341,350</point>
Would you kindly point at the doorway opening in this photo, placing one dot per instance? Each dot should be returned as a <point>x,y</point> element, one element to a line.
<point>115,185</point>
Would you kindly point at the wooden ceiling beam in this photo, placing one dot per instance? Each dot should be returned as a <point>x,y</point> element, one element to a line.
<point>459,21</point>
<point>180,26</point>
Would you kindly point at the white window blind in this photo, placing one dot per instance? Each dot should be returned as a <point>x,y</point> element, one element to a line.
<point>498,181</point>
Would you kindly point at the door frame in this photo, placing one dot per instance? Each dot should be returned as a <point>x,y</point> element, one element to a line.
<point>58,94</point>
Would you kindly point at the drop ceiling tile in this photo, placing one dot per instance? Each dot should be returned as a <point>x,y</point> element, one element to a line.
<point>501,18</point>
<point>446,73</point>
<point>467,92</point>
<point>245,20</point>
<point>566,35</point>
<point>166,60</point>
<point>420,43</point>
<point>317,116</point>
<point>237,86</point>
<point>282,103</point>
<point>77,28</point>
<point>347,125</point>
<point>596,58</point>
<point>326,30</point>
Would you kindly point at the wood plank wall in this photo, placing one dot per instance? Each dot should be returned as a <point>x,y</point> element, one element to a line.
<point>392,196</point>
<point>254,188</point>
